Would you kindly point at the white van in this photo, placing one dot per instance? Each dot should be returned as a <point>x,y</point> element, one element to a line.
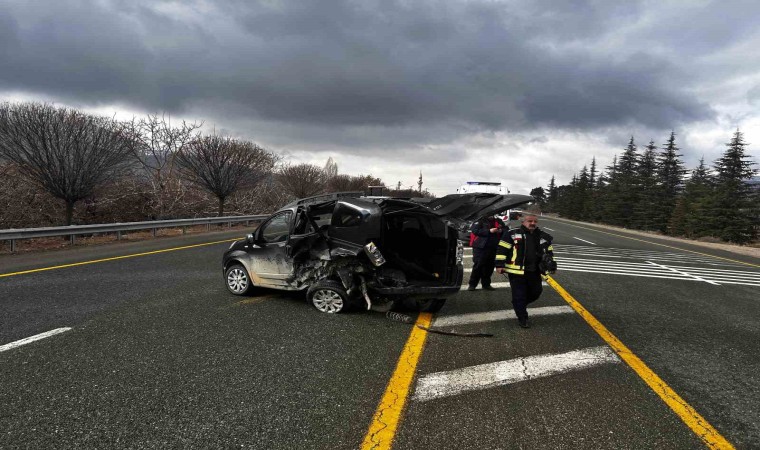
<point>489,187</point>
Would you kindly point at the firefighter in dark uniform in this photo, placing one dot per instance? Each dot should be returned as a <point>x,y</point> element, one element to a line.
<point>486,232</point>
<point>525,253</point>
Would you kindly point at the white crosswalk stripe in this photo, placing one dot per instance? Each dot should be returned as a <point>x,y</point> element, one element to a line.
<point>454,382</point>
<point>493,316</point>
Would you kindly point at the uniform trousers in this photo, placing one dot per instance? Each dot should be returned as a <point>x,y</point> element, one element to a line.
<point>483,260</point>
<point>525,289</point>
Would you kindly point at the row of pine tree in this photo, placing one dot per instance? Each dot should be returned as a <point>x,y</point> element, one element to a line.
<point>651,190</point>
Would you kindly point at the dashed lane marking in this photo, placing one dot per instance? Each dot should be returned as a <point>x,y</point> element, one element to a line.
<point>493,316</point>
<point>36,337</point>
<point>698,424</point>
<point>682,273</point>
<point>583,240</point>
<point>382,430</point>
<point>484,376</point>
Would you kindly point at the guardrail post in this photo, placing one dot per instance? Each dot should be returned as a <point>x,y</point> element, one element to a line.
<point>153,231</point>
<point>118,235</point>
<point>208,227</point>
<point>71,239</point>
<point>13,245</point>
<point>184,230</point>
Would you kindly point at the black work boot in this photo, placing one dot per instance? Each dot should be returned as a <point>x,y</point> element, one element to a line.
<point>524,323</point>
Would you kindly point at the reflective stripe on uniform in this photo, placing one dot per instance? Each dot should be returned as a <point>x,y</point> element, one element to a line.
<point>501,257</point>
<point>505,244</point>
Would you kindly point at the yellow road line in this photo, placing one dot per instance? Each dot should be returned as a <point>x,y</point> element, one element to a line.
<point>655,243</point>
<point>63,266</point>
<point>382,430</point>
<point>709,435</point>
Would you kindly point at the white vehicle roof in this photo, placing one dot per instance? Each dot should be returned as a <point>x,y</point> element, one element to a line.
<point>489,187</point>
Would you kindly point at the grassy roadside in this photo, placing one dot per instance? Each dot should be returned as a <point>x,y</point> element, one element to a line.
<point>36,245</point>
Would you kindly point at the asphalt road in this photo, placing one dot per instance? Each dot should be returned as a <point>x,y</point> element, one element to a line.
<point>160,355</point>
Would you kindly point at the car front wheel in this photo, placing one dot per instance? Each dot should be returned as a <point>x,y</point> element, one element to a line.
<point>238,280</point>
<point>328,296</point>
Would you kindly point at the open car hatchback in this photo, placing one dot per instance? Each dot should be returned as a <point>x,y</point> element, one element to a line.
<point>347,250</point>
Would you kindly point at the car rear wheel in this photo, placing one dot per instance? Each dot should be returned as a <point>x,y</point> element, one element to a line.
<point>238,280</point>
<point>328,296</point>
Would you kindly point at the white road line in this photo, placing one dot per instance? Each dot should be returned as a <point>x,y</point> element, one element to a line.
<point>36,337</point>
<point>493,316</point>
<point>547,228</point>
<point>495,285</point>
<point>610,272</point>
<point>588,242</point>
<point>502,284</point>
<point>454,382</point>
<point>682,273</point>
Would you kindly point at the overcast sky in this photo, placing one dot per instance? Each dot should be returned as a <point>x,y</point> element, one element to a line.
<point>511,91</point>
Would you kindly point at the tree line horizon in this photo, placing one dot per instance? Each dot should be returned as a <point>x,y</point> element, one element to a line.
<point>648,189</point>
<point>60,165</point>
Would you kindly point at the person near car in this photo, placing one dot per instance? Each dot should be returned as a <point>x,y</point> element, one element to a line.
<point>525,254</point>
<point>486,232</point>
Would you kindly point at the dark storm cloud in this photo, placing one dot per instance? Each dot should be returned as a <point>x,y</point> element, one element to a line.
<point>483,65</point>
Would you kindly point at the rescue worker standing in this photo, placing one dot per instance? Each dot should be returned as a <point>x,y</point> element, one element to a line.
<point>525,253</point>
<point>486,232</point>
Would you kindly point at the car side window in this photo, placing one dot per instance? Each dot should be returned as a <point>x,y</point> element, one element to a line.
<point>276,230</point>
<point>345,216</point>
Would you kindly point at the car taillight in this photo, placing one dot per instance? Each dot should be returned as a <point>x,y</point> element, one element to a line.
<point>460,252</point>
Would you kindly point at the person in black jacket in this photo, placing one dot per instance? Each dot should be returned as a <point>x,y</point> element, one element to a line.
<point>525,253</point>
<point>486,231</point>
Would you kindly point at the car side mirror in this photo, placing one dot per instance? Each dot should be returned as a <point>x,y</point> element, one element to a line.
<point>251,239</point>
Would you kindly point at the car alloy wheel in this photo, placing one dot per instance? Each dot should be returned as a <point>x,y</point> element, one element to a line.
<point>327,301</point>
<point>328,296</point>
<point>237,280</point>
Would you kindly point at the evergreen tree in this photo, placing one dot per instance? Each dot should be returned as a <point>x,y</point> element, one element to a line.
<point>583,195</point>
<point>692,216</point>
<point>551,200</point>
<point>670,171</point>
<point>539,195</point>
<point>648,197</point>
<point>736,205</point>
<point>622,194</point>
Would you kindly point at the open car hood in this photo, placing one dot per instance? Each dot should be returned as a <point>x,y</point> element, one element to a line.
<point>460,210</point>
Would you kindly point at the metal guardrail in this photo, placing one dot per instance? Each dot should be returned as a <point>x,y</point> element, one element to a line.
<point>12,234</point>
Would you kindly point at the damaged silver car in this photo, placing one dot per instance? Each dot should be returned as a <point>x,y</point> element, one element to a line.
<point>346,249</point>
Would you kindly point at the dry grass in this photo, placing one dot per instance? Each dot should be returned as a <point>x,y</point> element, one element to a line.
<point>59,242</point>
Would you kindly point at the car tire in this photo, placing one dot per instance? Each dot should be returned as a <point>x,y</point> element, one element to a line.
<point>237,280</point>
<point>328,296</point>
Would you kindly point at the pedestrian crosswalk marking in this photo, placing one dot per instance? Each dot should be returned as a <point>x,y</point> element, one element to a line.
<point>492,316</point>
<point>652,269</point>
<point>652,255</point>
<point>501,373</point>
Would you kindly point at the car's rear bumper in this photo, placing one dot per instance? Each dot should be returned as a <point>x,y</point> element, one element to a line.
<point>424,291</point>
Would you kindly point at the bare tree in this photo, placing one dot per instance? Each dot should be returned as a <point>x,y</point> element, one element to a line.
<point>222,165</point>
<point>155,142</point>
<point>344,182</point>
<point>302,180</point>
<point>66,152</point>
